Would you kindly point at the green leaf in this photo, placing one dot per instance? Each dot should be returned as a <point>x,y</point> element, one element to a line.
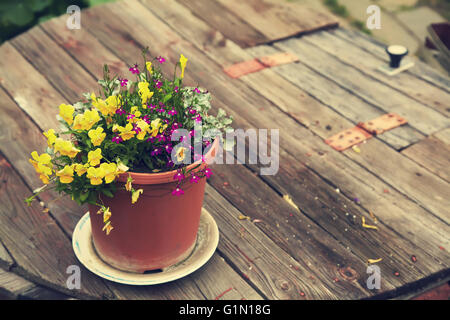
<point>19,15</point>
<point>167,97</point>
<point>38,5</point>
<point>84,196</point>
<point>108,193</point>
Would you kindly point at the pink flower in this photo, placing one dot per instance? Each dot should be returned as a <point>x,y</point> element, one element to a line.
<point>134,69</point>
<point>155,152</point>
<point>177,192</point>
<point>123,82</point>
<point>175,89</point>
<point>172,112</point>
<point>194,179</point>
<point>208,172</point>
<point>117,139</point>
<point>197,90</point>
<point>120,111</point>
<point>161,59</point>
<point>178,176</point>
<point>159,84</point>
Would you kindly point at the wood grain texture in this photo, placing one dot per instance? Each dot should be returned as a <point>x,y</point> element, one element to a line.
<point>432,154</point>
<point>12,285</point>
<point>425,120</point>
<point>33,237</point>
<point>230,25</point>
<point>373,46</point>
<point>284,94</point>
<point>286,19</point>
<point>416,88</point>
<point>444,136</point>
<point>6,260</point>
<point>53,62</point>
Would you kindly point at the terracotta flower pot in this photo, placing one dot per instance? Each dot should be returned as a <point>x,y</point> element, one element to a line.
<point>157,231</point>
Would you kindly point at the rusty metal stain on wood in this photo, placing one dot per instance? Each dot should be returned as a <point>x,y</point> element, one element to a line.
<point>240,69</point>
<point>384,123</point>
<point>347,138</point>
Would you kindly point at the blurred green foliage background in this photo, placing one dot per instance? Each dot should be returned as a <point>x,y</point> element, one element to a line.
<point>16,16</point>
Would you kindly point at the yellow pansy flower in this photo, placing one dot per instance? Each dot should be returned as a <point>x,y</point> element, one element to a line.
<point>183,61</point>
<point>106,215</point>
<point>51,137</point>
<point>181,154</point>
<point>128,185</point>
<point>80,168</point>
<point>110,171</point>
<point>155,124</point>
<point>95,175</point>
<point>78,122</point>
<point>90,117</point>
<point>66,112</point>
<point>121,168</point>
<point>42,164</point>
<point>97,136</point>
<point>108,227</point>
<point>144,91</point>
<point>65,174</point>
<point>94,157</point>
<point>112,103</point>
<point>65,148</point>
<point>135,195</point>
<point>141,124</point>
<point>127,132</point>
<point>148,65</point>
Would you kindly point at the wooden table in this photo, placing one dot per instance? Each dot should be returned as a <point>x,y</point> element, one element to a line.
<point>304,238</point>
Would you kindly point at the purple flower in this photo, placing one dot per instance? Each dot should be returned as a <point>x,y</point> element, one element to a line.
<point>159,84</point>
<point>172,112</point>
<point>175,89</point>
<point>198,118</point>
<point>130,116</point>
<point>197,90</point>
<point>208,172</point>
<point>117,139</point>
<point>178,176</point>
<point>123,82</point>
<point>194,179</point>
<point>151,106</point>
<point>192,111</point>
<point>168,148</point>
<point>175,125</point>
<point>170,164</point>
<point>177,192</point>
<point>161,59</point>
<point>160,137</point>
<point>151,139</point>
<point>134,69</point>
<point>155,152</point>
<point>120,111</point>
<point>137,129</point>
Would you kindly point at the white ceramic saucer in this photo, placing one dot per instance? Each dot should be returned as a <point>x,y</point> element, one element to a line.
<point>207,241</point>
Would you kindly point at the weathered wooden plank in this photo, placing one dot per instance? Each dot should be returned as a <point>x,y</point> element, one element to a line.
<point>322,104</point>
<point>433,154</point>
<point>370,44</point>
<point>6,260</point>
<point>12,285</point>
<point>42,293</point>
<point>19,136</point>
<point>444,136</point>
<point>286,95</point>
<point>416,88</point>
<point>219,17</point>
<point>423,119</point>
<point>388,170</point>
<point>81,48</point>
<point>37,100</point>
<point>53,62</point>
<point>33,238</point>
<point>279,20</point>
<point>277,274</point>
<point>345,172</point>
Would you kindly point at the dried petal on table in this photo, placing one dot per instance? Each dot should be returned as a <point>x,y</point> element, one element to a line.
<point>370,261</point>
<point>288,199</point>
<point>367,225</point>
<point>242,217</point>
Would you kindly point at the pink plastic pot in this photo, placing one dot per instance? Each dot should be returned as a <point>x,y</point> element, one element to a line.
<point>159,230</point>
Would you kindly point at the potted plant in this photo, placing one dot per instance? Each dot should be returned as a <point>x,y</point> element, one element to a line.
<point>137,153</point>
